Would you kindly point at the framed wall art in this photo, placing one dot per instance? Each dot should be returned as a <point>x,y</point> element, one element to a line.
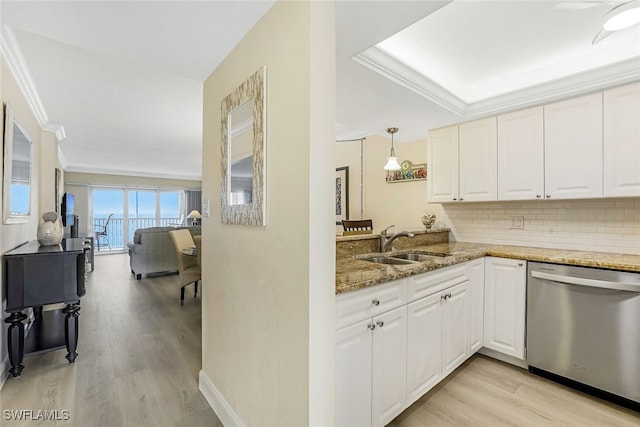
<point>342,194</point>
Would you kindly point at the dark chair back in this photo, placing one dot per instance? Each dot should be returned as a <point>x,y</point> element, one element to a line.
<point>353,227</point>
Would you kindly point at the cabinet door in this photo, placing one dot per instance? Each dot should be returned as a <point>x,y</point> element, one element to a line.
<point>521,155</point>
<point>424,346</point>
<point>455,344</point>
<point>478,145</point>
<point>504,305</point>
<point>389,367</point>
<point>475,273</point>
<point>442,159</point>
<point>353,375</point>
<point>622,141</point>
<point>573,148</point>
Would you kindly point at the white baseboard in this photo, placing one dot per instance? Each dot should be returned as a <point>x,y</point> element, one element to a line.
<point>504,358</point>
<point>216,400</point>
<point>4,371</point>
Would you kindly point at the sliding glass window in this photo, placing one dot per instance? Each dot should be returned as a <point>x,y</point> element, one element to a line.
<point>132,209</point>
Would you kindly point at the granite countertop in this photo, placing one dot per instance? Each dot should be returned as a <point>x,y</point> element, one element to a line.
<point>353,273</point>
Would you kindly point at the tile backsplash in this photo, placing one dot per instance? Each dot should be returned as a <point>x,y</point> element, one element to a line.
<point>603,225</point>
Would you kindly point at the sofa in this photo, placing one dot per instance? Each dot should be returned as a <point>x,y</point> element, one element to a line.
<point>151,250</point>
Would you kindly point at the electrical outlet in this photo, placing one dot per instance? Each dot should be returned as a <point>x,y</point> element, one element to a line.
<point>517,222</point>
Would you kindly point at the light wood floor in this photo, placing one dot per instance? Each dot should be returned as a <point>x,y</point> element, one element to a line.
<point>138,363</point>
<point>486,392</point>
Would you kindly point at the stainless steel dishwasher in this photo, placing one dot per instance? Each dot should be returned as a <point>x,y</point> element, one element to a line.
<point>583,324</point>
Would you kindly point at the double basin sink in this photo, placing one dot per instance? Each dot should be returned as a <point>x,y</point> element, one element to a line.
<point>400,258</point>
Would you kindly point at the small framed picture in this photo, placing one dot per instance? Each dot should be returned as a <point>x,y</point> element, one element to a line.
<point>342,194</point>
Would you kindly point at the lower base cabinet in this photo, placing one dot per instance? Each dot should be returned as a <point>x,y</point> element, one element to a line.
<point>505,305</point>
<point>371,370</point>
<point>437,339</point>
<point>387,361</point>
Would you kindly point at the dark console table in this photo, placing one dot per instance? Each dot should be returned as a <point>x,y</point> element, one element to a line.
<point>37,275</point>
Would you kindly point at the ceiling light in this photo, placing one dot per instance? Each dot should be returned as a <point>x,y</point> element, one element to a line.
<point>392,160</point>
<point>622,17</point>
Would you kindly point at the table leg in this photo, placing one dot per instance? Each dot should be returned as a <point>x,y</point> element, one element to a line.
<point>71,330</point>
<point>15,341</point>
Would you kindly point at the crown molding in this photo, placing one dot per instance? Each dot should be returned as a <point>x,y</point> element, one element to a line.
<point>618,73</point>
<point>18,68</point>
<point>57,129</point>
<point>381,62</point>
<point>121,172</point>
<point>243,126</point>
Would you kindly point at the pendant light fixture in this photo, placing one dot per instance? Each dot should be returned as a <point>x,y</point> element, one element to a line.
<point>622,16</point>
<point>392,160</point>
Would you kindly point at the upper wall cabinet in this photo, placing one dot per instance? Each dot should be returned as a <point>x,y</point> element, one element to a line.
<point>478,145</point>
<point>521,155</point>
<point>622,141</point>
<point>442,159</point>
<point>463,162</point>
<point>573,148</point>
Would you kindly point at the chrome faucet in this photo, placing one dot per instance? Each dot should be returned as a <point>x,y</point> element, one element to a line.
<point>386,240</point>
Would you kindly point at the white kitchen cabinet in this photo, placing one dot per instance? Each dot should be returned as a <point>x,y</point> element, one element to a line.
<point>504,305</point>
<point>442,160</point>
<point>424,346</point>
<point>622,141</point>
<point>437,327</point>
<point>474,270</point>
<point>478,160</point>
<point>389,367</point>
<point>462,162</point>
<point>371,355</point>
<point>573,148</point>
<point>521,155</point>
<point>455,342</point>
<point>353,374</point>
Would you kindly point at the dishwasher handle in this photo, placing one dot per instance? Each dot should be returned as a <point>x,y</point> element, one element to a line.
<point>572,280</point>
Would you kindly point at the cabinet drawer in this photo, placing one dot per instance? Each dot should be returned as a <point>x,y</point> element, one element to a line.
<point>354,306</point>
<point>429,283</point>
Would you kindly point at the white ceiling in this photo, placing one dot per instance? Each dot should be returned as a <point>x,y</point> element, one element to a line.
<point>125,78</point>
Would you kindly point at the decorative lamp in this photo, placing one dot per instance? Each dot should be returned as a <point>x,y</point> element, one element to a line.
<point>195,216</point>
<point>50,229</point>
<point>392,160</point>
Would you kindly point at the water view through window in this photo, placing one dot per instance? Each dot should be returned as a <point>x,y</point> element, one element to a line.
<point>132,209</point>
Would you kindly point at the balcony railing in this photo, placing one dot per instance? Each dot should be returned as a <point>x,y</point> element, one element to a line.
<point>115,230</point>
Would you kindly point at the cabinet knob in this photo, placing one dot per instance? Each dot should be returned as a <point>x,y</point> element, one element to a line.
<point>443,297</point>
<point>375,302</point>
<point>538,195</point>
<point>548,196</point>
<point>455,198</point>
<point>520,264</point>
<point>371,326</point>
<point>380,323</point>
<point>461,198</point>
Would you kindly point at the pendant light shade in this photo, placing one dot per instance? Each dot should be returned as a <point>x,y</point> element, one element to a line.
<point>622,16</point>
<point>392,160</point>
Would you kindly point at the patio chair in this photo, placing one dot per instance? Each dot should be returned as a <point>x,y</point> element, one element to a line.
<point>101,232</point>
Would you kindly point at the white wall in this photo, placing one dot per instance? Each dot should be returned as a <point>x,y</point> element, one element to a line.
<point>12,235</point>
<point>266,350</point>
<point>399,203</point>
<point>605,225</point>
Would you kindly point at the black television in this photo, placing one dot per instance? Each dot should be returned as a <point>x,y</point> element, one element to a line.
<point>67,210</point>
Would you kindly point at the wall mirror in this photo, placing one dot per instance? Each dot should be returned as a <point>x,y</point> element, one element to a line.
<point>243,153</point>
<point>17,171</point>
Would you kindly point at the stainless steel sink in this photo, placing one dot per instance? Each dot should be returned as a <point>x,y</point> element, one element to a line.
<point>387,260</point>
<point>415,257</point>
